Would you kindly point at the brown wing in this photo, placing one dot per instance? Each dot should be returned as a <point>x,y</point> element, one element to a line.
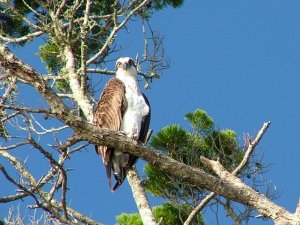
<point>111,106</point>
<point>108,114</point>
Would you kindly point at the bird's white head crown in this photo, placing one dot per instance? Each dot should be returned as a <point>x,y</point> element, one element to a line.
<point>126,64</point>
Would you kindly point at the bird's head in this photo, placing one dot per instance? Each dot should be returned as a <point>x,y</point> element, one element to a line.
<point>126,65</point>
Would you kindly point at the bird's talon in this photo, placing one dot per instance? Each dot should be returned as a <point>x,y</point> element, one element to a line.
<point>123,133</point>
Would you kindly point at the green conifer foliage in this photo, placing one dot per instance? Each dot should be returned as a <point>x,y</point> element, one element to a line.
<point>187,145</point>
<point>165,214</point>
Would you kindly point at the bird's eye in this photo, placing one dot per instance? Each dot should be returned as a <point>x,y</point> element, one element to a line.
<point>119,64</point>
<point>131,63</point>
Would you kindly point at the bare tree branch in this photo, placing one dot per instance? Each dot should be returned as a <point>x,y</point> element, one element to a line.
<point>255,200</point>
<point>27,37</point>
<point>84,31</point>
<point>230,212</point>
<point>110,38</point>
<point>12,10</point>
<point>43,199</point>
<point>81,97</point>
<point>235,172</point>
<point>63,174</point>
<point>251,148</point>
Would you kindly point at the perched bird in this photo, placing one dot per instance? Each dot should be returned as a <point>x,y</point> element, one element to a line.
<point>122,107</point>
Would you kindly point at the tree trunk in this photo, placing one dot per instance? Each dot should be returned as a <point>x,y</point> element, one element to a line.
<point>140,198</point>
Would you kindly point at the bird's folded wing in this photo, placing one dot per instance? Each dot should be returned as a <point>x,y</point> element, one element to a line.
<point>109,111</point>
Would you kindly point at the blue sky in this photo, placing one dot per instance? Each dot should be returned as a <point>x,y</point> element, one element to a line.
<point>239,61</point>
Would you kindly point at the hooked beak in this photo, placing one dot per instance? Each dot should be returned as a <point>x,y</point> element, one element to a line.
<point>125,66</point>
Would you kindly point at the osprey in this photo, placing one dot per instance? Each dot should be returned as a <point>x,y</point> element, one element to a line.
<point>122,107</point>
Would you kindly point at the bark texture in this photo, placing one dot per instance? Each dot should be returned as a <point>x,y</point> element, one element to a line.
<point>141,198</point>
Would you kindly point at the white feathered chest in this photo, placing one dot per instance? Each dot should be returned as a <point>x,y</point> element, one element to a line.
<point>136,108</point>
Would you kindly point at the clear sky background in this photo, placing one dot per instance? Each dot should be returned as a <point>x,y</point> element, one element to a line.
<point>237,60</point>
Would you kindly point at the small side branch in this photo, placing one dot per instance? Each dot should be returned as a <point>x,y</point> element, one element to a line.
<point>27,37</point>
<point>63,174</point>
<point>230,212</point>
<point>199,208</point>
<point>111,37</point>
<point>146,76</point>
<point>251,148</point>
<point>78,216</point>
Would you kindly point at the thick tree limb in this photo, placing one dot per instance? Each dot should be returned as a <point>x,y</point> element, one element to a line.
<point>139,193</point>
<point>253,198</point>
<point>232,188</point>
<point>297,213</point>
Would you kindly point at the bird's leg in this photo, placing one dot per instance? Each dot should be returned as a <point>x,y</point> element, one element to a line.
<point>121,132</point>
<point>131,135</point>
<point>149,133</point>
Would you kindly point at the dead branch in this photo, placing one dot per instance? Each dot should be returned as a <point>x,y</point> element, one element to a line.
<point>110,38</point>
<point>235,172</point>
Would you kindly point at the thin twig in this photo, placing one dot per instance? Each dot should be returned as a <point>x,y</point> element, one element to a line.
<point>111,72</point>
<point>62,172</point>
<point>251,148</point>
<point>110,38</point>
